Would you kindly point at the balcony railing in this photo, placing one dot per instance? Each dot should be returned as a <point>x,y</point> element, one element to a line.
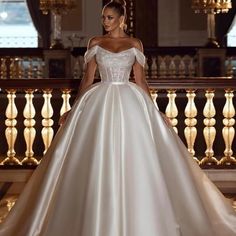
<point>163,62</point>
<point>201,109</point>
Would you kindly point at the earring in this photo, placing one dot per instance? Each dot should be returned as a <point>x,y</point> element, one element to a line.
<point>122,25</point>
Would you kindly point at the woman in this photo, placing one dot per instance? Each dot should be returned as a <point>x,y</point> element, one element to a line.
<point>116,168</point>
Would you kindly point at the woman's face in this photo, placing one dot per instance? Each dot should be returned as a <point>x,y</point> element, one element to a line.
<point>111,20</point>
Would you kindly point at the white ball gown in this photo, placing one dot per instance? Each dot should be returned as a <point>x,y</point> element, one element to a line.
<point>115,168</point>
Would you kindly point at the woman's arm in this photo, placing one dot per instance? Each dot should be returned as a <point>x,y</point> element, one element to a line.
<point>89,71</point>
<point>139,71</point>
<point>87,80</point>
<point>140,79</point>
<point>88,77</point>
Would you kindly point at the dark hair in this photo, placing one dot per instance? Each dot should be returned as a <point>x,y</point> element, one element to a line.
<point>118,6</point>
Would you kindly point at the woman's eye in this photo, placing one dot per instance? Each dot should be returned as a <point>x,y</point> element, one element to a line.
<point>107,17</point>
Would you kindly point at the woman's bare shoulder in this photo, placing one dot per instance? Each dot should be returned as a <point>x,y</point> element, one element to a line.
<point>137,43</point>
<point>96,40</point>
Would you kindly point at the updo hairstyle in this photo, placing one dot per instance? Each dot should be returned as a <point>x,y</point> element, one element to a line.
<point>118,5</point>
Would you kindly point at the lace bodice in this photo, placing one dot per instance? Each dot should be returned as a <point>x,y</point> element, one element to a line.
<point>115,67</point>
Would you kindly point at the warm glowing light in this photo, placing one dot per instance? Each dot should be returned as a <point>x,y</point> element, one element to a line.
<point>211,6</point>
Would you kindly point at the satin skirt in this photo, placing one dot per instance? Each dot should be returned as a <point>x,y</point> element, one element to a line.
<point>116,168</point>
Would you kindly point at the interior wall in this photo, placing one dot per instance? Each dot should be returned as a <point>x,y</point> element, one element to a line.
<point>82,23</point>
<point>178,25</point>
<point>73,21</point>
<point>146,27</point>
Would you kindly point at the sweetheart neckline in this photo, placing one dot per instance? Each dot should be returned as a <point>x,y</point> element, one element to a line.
<point>125,50</point>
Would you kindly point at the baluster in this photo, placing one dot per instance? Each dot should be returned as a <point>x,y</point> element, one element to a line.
<point>11,131</point>
<point>182,68</point>
<point>162,68</point>
<point>172,69</point>
<point>39,73</point>
<point>209,131</point>
<point>187,61</point>
<point>176,60</point>
<point>12,68</point>
<point>190,131</point>
<point>30,69</point>
<point>20,68</point>
<point>66,101</point>
<point>34,67</point>
<point>171,109</point>
<point>154,95</point>
<point>154,68</point>
<point>26,64</point>
<point>228,131</point>
<point>229,68</point>
<point>3,72</point>
<point>191,68</point>
<point>47,112</point>
<point>29,131</point>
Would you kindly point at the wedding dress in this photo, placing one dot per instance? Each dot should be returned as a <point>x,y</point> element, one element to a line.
<point>116,168</point>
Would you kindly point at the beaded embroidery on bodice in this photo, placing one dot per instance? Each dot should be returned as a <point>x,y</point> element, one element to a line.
<point>115,66</point>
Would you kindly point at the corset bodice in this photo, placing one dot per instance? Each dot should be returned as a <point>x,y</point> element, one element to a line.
<point>115,67</point>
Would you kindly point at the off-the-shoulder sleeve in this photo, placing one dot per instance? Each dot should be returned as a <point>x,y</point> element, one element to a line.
<point>90,53</point>
<point>140,57</point>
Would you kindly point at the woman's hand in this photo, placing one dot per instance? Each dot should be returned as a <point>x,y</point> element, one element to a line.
<point>63,118</point>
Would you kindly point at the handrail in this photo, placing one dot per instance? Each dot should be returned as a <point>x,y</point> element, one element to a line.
<point>44,83</point>
<point>168,83</point>
<point>21,52</point>
<point>194,83</point>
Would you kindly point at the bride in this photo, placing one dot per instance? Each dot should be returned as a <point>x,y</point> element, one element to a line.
<point>116,167</point>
